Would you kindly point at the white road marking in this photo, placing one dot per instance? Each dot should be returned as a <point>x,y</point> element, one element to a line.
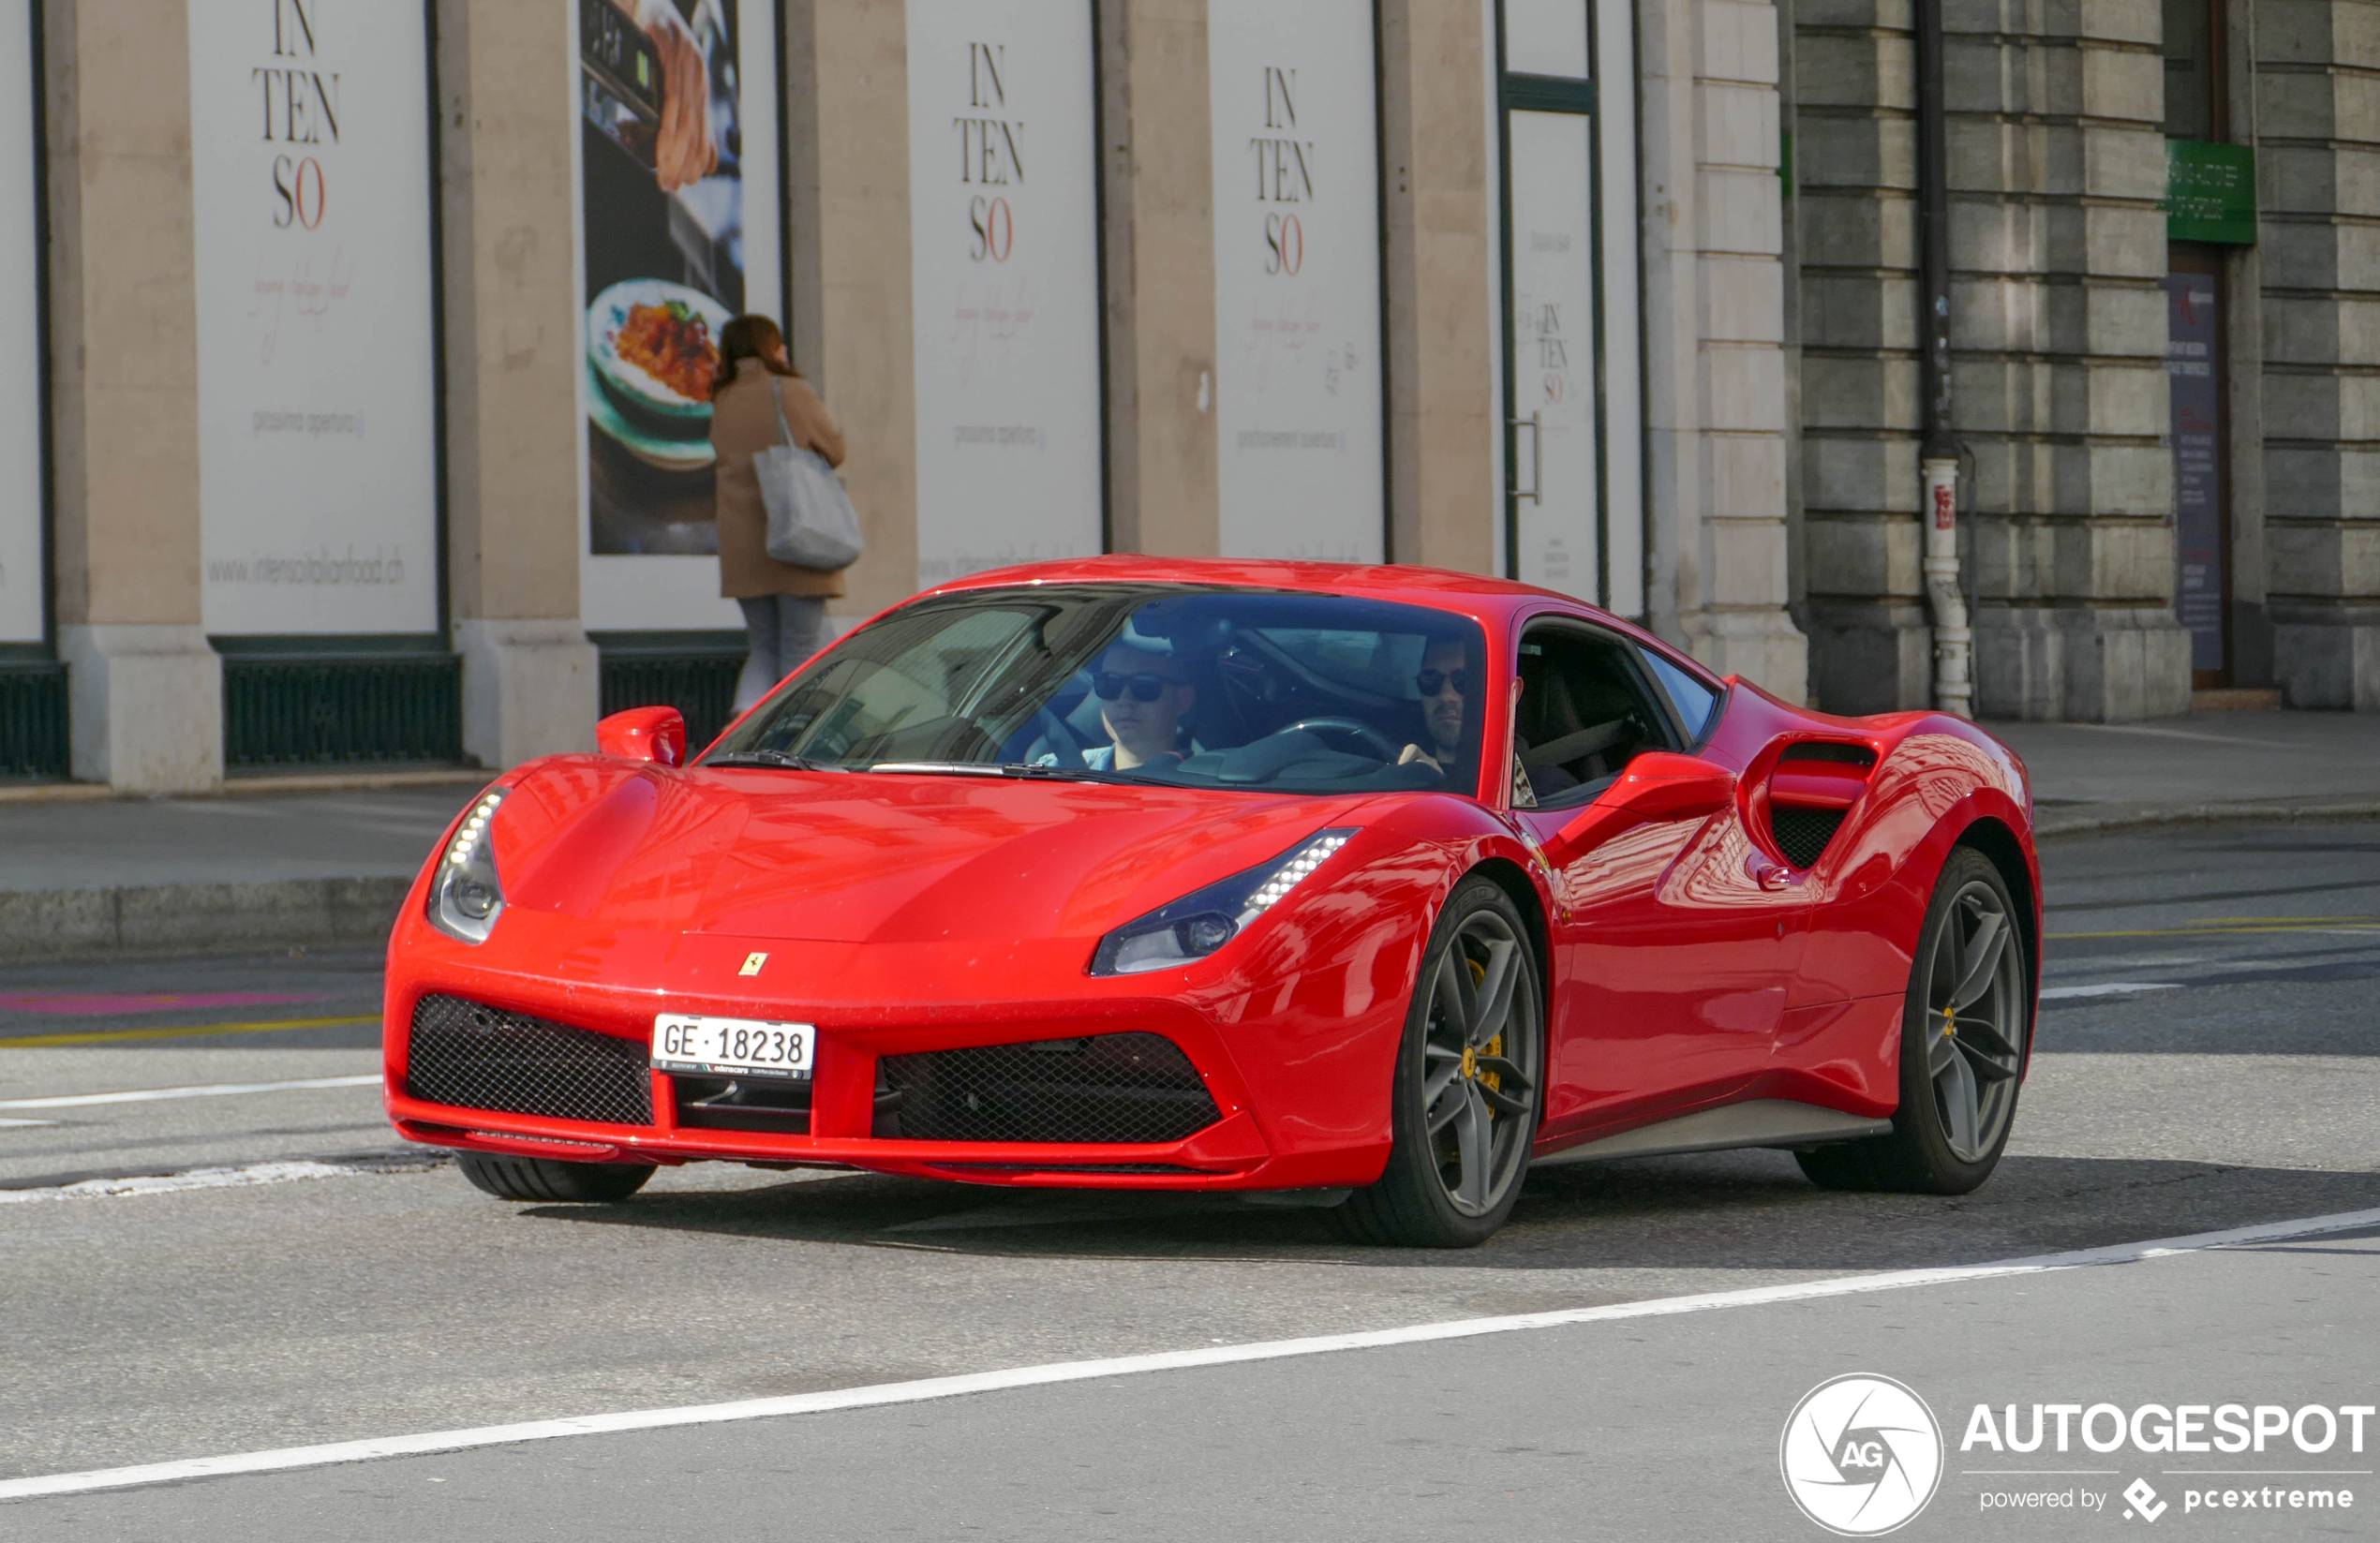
<point>930,1389</point>
<point>27,1122</point>
<point>175,1183</point>
<point>212,1089</point>
<point>2113,989</point>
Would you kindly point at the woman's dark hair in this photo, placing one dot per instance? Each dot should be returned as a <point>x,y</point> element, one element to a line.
<point>754,337</point>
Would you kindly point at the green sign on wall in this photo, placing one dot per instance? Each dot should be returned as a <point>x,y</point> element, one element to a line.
<point>2211,192</point>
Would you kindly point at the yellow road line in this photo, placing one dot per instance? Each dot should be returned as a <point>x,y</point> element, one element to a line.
<point>112,1036</point>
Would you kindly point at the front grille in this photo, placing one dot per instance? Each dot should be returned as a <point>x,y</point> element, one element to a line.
<point>722,1104</point>
<point>471,1057</point>
<point>1108,1087</point>
<point>1803,834</point>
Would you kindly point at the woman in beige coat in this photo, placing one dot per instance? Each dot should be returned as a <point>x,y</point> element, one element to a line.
<point>784,606</point>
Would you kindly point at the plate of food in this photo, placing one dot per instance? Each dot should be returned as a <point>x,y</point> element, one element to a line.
<point>633,433</point>
<point>655,347</point>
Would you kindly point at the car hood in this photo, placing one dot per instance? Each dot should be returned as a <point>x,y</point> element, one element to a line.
<point>875,857</point>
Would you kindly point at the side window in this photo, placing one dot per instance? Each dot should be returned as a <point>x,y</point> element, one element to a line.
<point>1587,710</point>
<point>1693,699</point>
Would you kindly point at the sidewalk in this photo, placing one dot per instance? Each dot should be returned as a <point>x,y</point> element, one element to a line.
<point>2210,766</point>
<point>158,875</point>
<point>100,876</point>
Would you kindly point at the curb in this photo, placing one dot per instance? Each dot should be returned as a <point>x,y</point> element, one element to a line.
<point>2111,818</point>
<point>50,924</point>
<point>251,787</point>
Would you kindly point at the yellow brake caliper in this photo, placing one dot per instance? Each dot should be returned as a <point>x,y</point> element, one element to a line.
<point>1494,1046</point>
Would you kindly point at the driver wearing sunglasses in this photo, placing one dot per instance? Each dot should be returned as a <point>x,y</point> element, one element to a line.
<point>1143,697</point>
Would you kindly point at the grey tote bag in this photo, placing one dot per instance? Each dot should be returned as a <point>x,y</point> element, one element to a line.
<point>811,521</point>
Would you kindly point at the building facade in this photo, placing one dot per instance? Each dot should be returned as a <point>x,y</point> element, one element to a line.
<point>351,344</point>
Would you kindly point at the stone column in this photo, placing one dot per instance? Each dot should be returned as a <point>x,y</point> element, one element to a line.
<point>1855,158</point>
<point>1158,177</point>
<point>2057,246</point>
<point>147,690</point>
<point>1443,512</point>
<point>530,678</point>
<point>847,111</point>
<point>1713,319</point>
<point>2318,151</point>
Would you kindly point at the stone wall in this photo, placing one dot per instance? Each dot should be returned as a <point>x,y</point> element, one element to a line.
<point>1855,210</point>
<point>2317,115</point>
<point>2056,167</point>
<point>1714,400</point>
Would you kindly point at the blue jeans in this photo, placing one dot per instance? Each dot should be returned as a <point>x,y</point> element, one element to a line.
<point>783,630</point>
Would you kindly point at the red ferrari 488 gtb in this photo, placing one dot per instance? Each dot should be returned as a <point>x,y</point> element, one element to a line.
<point>1365,887</point>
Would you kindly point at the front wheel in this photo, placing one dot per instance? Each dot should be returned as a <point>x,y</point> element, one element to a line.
<point>1963,1035</point>
<point>1465,1100</point>
<point>551,1179</point>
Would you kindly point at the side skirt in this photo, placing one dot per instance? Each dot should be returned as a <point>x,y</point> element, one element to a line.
<point>1760,1122</point>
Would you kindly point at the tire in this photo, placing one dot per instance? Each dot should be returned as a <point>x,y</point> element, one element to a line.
<point>551,1179</point>
<point>1464,1102</point>
<point>1958,1078</point>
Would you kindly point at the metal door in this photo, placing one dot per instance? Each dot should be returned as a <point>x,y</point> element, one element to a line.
<point>1573,517</point>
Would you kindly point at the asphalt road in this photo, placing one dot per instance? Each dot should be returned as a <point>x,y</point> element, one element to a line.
<point>2207,1061</point>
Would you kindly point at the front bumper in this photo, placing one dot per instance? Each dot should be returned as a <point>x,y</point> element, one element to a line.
<point>1299,1096</point>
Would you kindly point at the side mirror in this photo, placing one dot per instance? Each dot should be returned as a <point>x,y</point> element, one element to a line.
<point>645,734</point>
<point>1658,787</point>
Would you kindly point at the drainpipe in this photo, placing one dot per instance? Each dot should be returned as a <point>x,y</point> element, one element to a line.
<point>1953,642</point>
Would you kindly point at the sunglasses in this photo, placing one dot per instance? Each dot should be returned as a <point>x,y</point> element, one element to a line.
<point>1144,688</point>
<point>1429,681</point>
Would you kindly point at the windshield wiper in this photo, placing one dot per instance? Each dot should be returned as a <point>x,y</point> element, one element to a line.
<point>1068,774</point>
<point>926,768</point>
<point>1005,768</point>
<point>771,758</point>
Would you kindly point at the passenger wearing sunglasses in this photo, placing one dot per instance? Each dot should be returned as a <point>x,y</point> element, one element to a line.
<point>1446,683</point>
<point>1143,697</point>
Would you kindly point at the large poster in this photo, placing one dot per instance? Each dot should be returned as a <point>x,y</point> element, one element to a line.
<point>309,170</point>
<point>678,230</point>
<point>20,357</point>
<point>1004,264</point>
<point>1297,238</point>
<point>2197,452</point>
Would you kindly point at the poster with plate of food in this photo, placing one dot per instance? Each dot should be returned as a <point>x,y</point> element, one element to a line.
<point>678,187</point>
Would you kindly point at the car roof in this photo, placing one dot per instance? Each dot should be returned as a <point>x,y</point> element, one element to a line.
<point>1486,600</point>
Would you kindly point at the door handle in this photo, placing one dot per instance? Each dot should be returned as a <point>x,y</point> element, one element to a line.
<point>1534,424</point>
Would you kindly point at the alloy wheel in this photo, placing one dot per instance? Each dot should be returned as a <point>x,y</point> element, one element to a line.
<point>1974,1030</point>
<point>1478,1105</point>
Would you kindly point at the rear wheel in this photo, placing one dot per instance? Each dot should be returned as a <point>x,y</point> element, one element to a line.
<point>550,1180</point>
<point>1962,1046</point>
<point>1464,1100</point>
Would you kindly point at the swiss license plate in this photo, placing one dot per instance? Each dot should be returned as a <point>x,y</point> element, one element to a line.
<point>685,1042</point>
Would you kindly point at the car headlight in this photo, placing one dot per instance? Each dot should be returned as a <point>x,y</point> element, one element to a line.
<point>1204,920</point>
<point>466,897</point>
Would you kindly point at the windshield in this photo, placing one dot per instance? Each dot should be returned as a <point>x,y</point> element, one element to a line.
<point>1140,683</point>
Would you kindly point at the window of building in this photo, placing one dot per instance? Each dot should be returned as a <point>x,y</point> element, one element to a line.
<point>2194,69</point>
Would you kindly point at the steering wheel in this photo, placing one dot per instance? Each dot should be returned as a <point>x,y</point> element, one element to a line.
<point>1372,737</point>
<point>1060,738</point>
